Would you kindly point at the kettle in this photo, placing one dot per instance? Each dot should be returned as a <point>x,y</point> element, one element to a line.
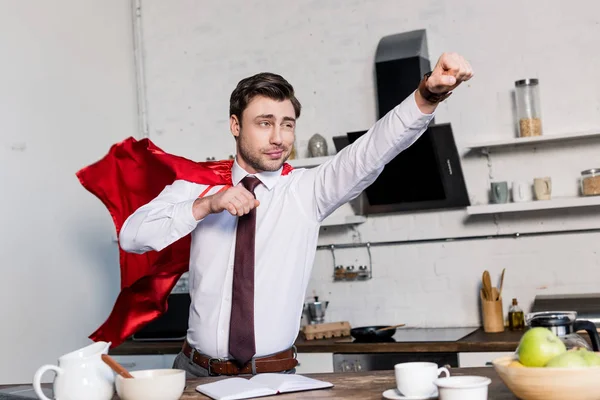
<point>316,310</point>
<point>566,325</point>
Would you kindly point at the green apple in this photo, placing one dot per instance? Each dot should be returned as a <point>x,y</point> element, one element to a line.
<point>570,359</point>
<point>538,346</point>
<point>592,359</point>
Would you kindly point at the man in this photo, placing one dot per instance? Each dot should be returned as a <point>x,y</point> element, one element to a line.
<point>253,243</point>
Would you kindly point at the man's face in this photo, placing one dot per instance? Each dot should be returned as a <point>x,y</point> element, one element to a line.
<point>266,135</point>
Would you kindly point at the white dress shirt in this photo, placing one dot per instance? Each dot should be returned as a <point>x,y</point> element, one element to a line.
<point>287,226</point>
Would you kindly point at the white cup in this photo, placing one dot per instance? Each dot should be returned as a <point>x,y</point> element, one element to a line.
<point>416,378</point>
<point>463,388</point>
<point>521,191</point>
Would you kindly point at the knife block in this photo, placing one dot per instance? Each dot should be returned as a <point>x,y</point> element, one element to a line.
<point>493,317</point>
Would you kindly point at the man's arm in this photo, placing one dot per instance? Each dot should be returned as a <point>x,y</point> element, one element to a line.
<point>357,166</point>
<point>163,221</point>
<point>176,212</point>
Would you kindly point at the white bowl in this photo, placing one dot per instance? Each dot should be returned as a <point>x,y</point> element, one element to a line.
<point>152,384</point>
<point>463,387</point>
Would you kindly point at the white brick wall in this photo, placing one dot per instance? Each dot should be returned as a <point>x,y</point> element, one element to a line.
<point>197,51</point>
<point>436,284</point>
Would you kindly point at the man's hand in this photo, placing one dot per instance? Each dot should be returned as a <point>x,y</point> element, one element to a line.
<point>449,72</point>
<point>237,200</point>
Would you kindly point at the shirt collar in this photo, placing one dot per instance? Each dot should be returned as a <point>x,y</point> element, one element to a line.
<point>267,178</point>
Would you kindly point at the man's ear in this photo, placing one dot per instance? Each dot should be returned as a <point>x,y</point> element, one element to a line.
<point>234,126</point>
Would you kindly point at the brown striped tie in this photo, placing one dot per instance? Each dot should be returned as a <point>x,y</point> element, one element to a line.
<point>241,331</point>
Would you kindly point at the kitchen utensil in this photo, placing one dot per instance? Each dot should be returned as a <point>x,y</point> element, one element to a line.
<point>154,384</point>
<point>316,310</point>
<point>463,387</point>
<point>80,374</point>
<point>390,327</point>
<point>493,318</point>
<point>487,285</point>
<point>501,283</point>
<point>372,334</point>
<point>416,378</point>
<point>528,383</point>
<point>565,325</point>
<point>115,366</point>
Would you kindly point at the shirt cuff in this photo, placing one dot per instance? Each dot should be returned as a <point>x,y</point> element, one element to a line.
<point>183,212</point>
<point>410,114</point>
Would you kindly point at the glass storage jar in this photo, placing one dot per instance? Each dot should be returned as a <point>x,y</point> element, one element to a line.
<point>529,116</point>
<point>590,182</point>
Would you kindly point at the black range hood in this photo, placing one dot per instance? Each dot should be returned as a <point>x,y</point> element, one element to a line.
<point>428,175</point>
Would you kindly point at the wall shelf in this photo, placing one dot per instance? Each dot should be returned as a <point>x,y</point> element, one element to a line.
<point>308,162</point>
<point>533,140</point>
<point>559,202</point>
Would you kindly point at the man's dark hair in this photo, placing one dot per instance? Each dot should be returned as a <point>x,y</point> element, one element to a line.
<point>265,84</point>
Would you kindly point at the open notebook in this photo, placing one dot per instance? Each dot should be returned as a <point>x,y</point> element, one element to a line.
<point>259,386</point>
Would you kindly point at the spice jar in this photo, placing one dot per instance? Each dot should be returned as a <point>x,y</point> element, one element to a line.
<point>363,273</point>
<point>590,182</point>
<point>350,273</point>
<point>527,95</point>
<point>340,272</point>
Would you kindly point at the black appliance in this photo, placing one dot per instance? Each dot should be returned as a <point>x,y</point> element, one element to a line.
<point>172,325</point>
<point>401,61</point>
<point>427,175</point>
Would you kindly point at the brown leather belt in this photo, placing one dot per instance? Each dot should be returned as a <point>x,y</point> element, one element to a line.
<point>278,362</point>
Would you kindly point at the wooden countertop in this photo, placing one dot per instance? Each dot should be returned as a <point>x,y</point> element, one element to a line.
<point>478,341</point>
<point>362,386</point>
<point>356,386</point>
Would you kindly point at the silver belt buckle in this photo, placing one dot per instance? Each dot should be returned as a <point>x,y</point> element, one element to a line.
<point>210,361</point>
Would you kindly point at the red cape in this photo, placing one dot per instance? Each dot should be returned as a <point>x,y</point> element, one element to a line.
<point>129,176</point>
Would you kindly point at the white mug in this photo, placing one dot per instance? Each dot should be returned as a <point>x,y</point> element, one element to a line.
<point>463,387</point>
<point>521,191</point>
<point>416,378</point>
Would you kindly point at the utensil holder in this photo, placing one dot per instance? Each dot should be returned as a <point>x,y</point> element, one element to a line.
<point>493,318</point>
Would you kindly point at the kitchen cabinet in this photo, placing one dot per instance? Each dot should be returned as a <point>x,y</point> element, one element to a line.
<point>480,359</point>
<point>313,363</point>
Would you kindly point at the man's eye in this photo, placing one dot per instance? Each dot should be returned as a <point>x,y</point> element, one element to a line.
<point>289,126</point>
<point>264,123</point>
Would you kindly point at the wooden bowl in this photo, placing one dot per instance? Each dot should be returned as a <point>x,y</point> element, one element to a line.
<point>549,383</point>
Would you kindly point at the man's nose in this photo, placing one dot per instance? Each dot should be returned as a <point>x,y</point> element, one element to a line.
<point>276,135</point>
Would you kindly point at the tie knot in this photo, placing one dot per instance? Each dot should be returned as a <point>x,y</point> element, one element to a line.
<point>250,183</point>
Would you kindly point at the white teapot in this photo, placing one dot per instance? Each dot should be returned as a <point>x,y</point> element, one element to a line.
<point>80,375</point>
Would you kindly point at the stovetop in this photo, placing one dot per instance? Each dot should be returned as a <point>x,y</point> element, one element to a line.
<point>432,334</point>
<point>427,335</point>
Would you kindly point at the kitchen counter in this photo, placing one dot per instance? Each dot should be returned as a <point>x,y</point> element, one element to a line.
<point>478,341</point>
<point>363,386</point>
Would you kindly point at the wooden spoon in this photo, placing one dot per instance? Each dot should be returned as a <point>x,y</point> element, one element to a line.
<point>487,285</point>
<point>389,327</point>
<point>118,368</point>
<point>501,284</point>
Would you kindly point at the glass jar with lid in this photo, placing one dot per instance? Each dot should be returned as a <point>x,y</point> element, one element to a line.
<point>529,116</point>
<point>590,182</point>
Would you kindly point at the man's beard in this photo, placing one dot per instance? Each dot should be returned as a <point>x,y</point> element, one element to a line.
<point>253,158</point>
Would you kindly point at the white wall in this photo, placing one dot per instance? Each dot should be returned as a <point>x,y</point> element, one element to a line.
<point>196,53</point>
<point>68,93</point>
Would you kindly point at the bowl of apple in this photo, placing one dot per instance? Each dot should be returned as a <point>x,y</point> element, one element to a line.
<point>543,369</point>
